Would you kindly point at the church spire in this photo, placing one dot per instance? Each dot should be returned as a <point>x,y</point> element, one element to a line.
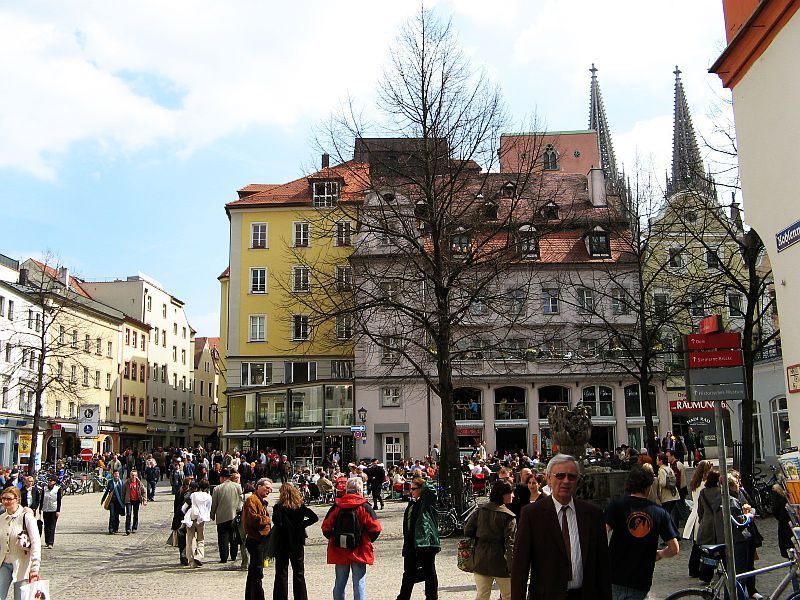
<point>599,123</point>
<point>687,166</point>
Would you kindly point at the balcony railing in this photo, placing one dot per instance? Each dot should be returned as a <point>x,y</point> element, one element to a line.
<point>544,408</point>
<point>510,410</point>
<point>271,420</point>
<point>306,418</point>
<point>769,353</point>
<point>338,417</point>
<point>467,412</point>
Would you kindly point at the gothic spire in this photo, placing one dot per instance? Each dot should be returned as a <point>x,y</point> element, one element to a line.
<point>599,123</point>
<point>687,165</point>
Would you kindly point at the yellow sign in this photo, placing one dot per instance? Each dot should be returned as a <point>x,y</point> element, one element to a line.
<point>25,440</point>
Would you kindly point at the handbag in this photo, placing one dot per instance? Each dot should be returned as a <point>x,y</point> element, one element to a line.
<point>37,590</point>
<point>172,540</point>
<point>465,554</point>
<point>270,546</point>
<point>108,500</point>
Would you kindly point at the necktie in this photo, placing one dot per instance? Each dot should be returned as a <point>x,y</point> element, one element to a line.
<point>565,535</point>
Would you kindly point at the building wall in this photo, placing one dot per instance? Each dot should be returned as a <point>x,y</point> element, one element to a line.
<point>132,404</point>
<point>770,178</point>
<point>578,151</point>
<point>206,384</point>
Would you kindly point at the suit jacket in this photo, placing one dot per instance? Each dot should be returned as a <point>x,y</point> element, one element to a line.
<point>226,501</point>
<point>539,551</point>
<point>36,498</point>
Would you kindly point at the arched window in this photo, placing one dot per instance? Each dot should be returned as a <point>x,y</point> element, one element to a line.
<point>633,407</point>
<point>550,158</point>
<point>599,399</point>
<point>468,404</point>
<point>509,403</point>
<point>552,395</point>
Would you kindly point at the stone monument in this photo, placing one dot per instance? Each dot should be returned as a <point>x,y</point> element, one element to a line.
<point>571,429</point>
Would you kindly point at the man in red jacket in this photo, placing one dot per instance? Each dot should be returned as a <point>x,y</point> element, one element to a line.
<point>351,526</point>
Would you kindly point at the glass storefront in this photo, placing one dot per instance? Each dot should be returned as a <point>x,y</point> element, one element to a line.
<point>271,410</point>
<point>338,405</point>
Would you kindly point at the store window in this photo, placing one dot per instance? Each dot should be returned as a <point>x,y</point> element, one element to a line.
<point>633,407</point>
<point>241,412</point>
<point>552,395</point>
<point>599,399</point>
<point>780,424</point>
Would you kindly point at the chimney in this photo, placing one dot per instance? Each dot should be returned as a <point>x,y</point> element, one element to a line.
<point>597,187</point>
<point>63,276</point>
<point>326,160</point>
<point>23,276</point>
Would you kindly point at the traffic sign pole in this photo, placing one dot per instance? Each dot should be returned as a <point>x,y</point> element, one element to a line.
<point>726,499</point>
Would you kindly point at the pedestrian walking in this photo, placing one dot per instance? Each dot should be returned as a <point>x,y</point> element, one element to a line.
<point>257,526</point>
<point>376,474</point>
<point>635,524</point>
<point>493,527</point>
<point>696,486</point>
<point>152,475</point>
<point>182,497</point>
<point>420,541</point>
<point>290,517</point>
<point>351,527</point>
<point>668,494</point>
<point>31,497</point>
<point>226,502</point>
<point>116,505</point>
<point>198,513</point>
<point>21,549</point>
<point>51,509</point>
<point>135,496</point>
<point>247,490</point>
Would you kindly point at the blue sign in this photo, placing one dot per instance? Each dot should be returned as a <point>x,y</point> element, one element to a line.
<point>788,236</point>
<point>358,427</point>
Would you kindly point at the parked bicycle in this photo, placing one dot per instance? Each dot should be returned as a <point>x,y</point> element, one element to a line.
<point>451,517</point>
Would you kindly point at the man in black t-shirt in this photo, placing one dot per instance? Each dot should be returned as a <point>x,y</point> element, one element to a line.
<point>635,524</point>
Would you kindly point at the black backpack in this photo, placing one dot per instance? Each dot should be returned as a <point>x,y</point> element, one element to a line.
<point>346,529</point>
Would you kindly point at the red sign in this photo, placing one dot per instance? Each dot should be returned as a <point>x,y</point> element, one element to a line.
<point>86,454</point>
<point>691,405</point>
<point>711,324</point>
<point>474,431</point>
<point>56,426</point>
<point>713,341</point>
<point>715,358</point>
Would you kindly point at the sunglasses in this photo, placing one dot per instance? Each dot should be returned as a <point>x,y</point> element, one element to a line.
<point>568,476</point>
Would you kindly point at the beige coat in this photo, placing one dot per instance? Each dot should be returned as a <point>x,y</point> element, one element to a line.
<point>226,501</point>
<point>23,561</point>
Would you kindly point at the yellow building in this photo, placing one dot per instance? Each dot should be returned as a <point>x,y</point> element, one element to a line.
<point>132,401</point>
<point>286,386</point>
<point>203,431</point>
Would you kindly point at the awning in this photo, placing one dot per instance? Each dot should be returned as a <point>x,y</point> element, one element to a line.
<point>274,432</point>
<point>299,432</point>
<point>237,434</point>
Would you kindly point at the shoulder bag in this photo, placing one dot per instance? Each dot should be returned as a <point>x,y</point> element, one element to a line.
<point>466,554</point>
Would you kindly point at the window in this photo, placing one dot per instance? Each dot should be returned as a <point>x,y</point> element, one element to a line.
<point>183,383</point>
<point>183,357</point>
<point>301,279</point>
<point>258,328</point>
<point>174,409</point>
<point>155,371</point>
<point>142,342</point>
<point>780,424</point>
<point>174,354</point>
<point>2,307</point>
<point>156,336</point>
<point>202,387</point>
<point>164,338</point>
<point>133,371</point>
<point>516,298</point>
<point>59,369</point>
<point>37,322</point>
<point>460,242</point>
<point>390,396</point>
<point>344,234</point>
<point>550,301</point>
<point>142,374</point>
<point>344,278</point>
<point>10,310</point>
<point>71,410</point>
<point>587,347</point>
<point>127,336</point>
<point>164,374</point>
<point>60,333</point>
<point>528,242</point>
<point>149,304</point>
<point>326,193</point>
<point>390,348</point>
<point>108,381</point>
<point>86,376</point>
<point>300,328</point>
<point>258,235</point>
<point>175,329</point>
<point>478,307</point>
<point>87,343</point>
<point>174,381</point>
<point>550,158</point>
<point>697,304</point>
<point>341,369</point>
<point>210,390</point>
<point>299,372</point>
<point>619,302</point>
<point>58,408</point>
<point>124,405</point>
<point>155,407</point>
<point>389,290</point>
<point>300,234</point>
<point>661,302</point>
<point>255,373</point>
<point>599,244</point>
<point>98,346</point>
<point>585,301</point>
<point>633,407</point>
<point>74,343</point>
<point>490,209</point>
<point>600,400</point>
<point>202,411</point>
<point>97,379</point>
<point>712,259</point>
<point>387,232</point>
<point>163,407</point>
<point>735,305</point>
<point>344,327</point>
<point>134,338</point>
<point>675,257</point>
<point>184,333</point>
<point>164,311</point>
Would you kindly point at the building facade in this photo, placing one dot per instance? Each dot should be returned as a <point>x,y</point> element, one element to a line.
<point>131,406</point>
<point>205,389</point>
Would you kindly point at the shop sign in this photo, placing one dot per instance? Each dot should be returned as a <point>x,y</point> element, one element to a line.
<point>25,441</point>
<point>711,324</point>
<point>793,377</point>
<point>691,405</point>
<point>473,431</point>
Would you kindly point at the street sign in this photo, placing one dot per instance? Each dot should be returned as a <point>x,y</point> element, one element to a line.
<point>793,377</point>
<point>715,358</point>
<point>89,420</point>
<point>358,427</point>
<point>726,391</point>
<point>357,434</point>
<point>711,324</point>
<point>86,454</point>
<point>56,433</point>
<point>713,341</point>
<point>716,376</point>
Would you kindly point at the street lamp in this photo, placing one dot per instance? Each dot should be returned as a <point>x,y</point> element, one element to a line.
<point>362,415</point>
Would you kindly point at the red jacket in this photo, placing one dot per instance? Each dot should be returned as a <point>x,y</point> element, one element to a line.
<point>370,529</point>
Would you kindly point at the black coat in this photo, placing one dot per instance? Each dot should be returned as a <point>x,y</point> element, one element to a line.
<point>290,524</point>
<point>36,500</point>
<point>177,508</point>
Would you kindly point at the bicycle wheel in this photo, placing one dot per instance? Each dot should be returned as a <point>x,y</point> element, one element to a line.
<point>692,593</point>
<point>447,524</point>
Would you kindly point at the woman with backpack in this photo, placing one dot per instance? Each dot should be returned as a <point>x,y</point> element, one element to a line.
<point>420,541</point>
<point>351,526</point>
<point>290,517</point>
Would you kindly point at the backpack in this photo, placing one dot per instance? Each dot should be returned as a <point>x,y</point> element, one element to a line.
<point>671,484</point>
<point>346,529</point>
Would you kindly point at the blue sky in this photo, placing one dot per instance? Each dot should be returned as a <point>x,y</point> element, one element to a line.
<point>125,127</point>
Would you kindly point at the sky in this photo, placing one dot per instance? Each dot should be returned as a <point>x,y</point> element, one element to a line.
<point>125,127</point>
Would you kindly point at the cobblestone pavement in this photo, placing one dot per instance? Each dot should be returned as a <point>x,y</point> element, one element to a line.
<point>88,563</point>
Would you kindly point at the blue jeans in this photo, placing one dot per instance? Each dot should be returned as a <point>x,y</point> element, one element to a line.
<point>151,490</point>
<point>6,573</point>
<point>621,592</point>
<point>359,581</point>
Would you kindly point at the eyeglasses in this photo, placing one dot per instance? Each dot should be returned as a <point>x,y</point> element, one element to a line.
<point>8,498</point>
<point>568,476</point>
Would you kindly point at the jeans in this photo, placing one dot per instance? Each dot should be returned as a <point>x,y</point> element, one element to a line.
<point>151,490</point>
<point>227,541</point>
<point>132,508</point>
<point>6,573</point>
<point>253,588</point>
<point>621,592</point>
<point>359,581</point>
<point>50,519</point>
<point>114,511</point>
<point>425,558</point>
<point>280,588</point>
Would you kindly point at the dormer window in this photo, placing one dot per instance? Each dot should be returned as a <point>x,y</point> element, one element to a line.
<point>508,190</point>
<point>528,242</point>
<point>490,211</point>
<point>549,211</point>
<point>388,197</point>
<point>598,243</point>
<point>461,241</point>
<point>550,158</point>
<point>421,212</point>
<point>326,193</point>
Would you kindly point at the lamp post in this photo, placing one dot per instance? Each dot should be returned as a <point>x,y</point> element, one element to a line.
<point>362,416</point>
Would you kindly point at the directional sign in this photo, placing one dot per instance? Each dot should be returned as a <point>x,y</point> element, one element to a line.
<point>715,358</point>
<point>358,427</point>
<point>727,391</point>
<point>89,420</point>
<point>716,376</point>
<point>713,341</point>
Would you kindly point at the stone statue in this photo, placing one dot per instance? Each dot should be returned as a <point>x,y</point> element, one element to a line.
<point>571,429</point>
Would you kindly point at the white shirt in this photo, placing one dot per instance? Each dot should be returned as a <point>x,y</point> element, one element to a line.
<point>200,509</point>
<point>574,542</point>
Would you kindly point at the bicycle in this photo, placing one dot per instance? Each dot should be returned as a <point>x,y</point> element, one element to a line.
<point>449,517</point>
<point>717,589</point>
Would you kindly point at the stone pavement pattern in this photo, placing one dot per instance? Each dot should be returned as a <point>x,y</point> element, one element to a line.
<point>88,563</point>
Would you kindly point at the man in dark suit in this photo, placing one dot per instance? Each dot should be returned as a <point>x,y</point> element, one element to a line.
<point>561,543</point>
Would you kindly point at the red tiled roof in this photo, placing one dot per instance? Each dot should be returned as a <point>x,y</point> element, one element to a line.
<point>225,273</point>
<point>354,175</point>
<point>74,282</point>
<point>200,345</point>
